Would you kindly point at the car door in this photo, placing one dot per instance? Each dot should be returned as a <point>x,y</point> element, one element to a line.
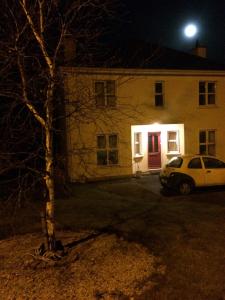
<point>196,171</point>
<point>214,171</point>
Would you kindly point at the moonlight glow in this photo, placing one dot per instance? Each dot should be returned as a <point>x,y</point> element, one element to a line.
<point>190,30</point>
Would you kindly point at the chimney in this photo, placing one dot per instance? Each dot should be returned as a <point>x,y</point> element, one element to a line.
<point>69,48</point>
<point>199,50</point>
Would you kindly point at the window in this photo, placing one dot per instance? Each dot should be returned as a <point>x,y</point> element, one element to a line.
<point>107,149</point>
<point>175,162</point>
<point>159,93</point>
<point>213,163</point>
<point>173,141</point>
<point>207,142</point>
<point>207,93</point>
<point>195,163</point>
<point>105,93</point>
<point>137,143</point>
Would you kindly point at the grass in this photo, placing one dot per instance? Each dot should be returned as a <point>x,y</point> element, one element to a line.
<point>186,233</point>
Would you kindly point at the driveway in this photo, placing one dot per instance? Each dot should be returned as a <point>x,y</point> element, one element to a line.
<point>185,232</point>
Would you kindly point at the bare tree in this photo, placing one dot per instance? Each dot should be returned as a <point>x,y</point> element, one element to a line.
<point>32,36</point>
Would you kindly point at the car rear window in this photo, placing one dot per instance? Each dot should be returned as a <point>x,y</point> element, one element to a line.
<point>175,162</point>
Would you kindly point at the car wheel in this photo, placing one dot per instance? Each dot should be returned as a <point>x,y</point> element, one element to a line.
<point>185,187</point>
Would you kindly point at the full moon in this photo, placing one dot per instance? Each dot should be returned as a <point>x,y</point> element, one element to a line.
<point>190,30</point>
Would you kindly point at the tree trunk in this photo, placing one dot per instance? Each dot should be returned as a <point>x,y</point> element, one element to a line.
<point>49,168</point>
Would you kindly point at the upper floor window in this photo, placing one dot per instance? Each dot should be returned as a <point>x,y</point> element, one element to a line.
<point>207,142</point>
<point>173,141</point>
<point>207,93</point>
<point>137,143</point>
<point>105,93</point>
<point>107,149</point>
<point>159,93</point>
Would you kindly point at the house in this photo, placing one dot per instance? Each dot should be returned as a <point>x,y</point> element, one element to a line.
<point>138,112</point>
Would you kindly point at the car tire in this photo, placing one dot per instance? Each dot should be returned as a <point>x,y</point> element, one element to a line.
<point>185,187</point>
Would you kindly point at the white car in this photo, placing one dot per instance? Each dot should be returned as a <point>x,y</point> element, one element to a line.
<point>186,172</point>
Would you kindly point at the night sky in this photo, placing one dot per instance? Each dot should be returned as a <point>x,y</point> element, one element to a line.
<point>163,21</point>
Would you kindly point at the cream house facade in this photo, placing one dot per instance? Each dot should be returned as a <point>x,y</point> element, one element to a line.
<point>124,121</point>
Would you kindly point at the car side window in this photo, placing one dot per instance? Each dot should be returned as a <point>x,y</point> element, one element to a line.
<point>195,163</point>
<point>213,163</point>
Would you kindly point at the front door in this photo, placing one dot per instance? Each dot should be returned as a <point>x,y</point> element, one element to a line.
<point>154,150</point>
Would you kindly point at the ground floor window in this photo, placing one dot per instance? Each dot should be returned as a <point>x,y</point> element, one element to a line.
<point>137,143</point>
<point>172,141</point>
<point>107,149</point>
<point>207,142</point>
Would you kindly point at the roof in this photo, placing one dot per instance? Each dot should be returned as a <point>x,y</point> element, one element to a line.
<point>144,55</point>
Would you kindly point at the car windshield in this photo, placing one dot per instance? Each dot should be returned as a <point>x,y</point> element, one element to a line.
<point>175,162</point>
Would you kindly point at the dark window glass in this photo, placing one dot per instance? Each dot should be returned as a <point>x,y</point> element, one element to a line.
<point>156,144</point>
<point>102,157</point>
<point>150,144</point>
<point>211,99</point>
<point>113,157</point>
<point>113,141</point>
<point>202,137</point>
<point>101,141</point>
<point>110,87</point>
<point>202,149</point>
<point>212,163</point>
<point>201,99</point>
<point>201,87</point>
<point>175,162</point>
<point>211,87</point>
<point>195,163</point>
<point>158,88</point>
<point>158,100</point>
<point>111,100</point>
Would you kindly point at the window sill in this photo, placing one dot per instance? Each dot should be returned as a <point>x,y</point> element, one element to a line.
<point>173,153</point>
<point>138,155</point>
<point>207,106</point>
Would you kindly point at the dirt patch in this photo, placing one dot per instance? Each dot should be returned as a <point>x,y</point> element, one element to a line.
<point>106,267</point>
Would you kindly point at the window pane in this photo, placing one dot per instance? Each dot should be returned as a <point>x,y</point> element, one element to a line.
<point>158,100</point>
<point>150,145</point>
<point>110,87</point>
<point>211,99</point>
<point>211,150</point>
<point>201,99</point>
<point>137,137</point>
<point>175,162</point>
<point>100,100</point>
<point>101,141</point>
<point>102,157</point>
<point>158,88</point>
<point>202,87</point>
<point>172,135</point>
<point>202,137</point>
<point>195,163</point>
<point>113,141</point>
<point>111,100</point>
<point>113,157</point>
<point>156,143</point>
<point>211,136</point>
<point>137,149</point>
<point>202,149</point>
<point>99,87</point>
<point>172,146</point>
<point>211,87</point>
<point>211,163</point>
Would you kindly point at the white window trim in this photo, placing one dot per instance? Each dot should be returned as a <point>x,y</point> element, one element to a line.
<point>207,143</point>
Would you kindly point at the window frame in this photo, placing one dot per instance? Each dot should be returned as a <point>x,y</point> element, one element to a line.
<point>161,93</point>
<point>106,93</point>
<point>207,143</point>
<point>206,93</point>
<point>138,142</point>
<point>177,140</point>
<point>108,149</point>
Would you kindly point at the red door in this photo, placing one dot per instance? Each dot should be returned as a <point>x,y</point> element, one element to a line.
<point>154,150</point>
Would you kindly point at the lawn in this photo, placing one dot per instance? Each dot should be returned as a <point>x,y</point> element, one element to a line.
<point>179,239</point>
